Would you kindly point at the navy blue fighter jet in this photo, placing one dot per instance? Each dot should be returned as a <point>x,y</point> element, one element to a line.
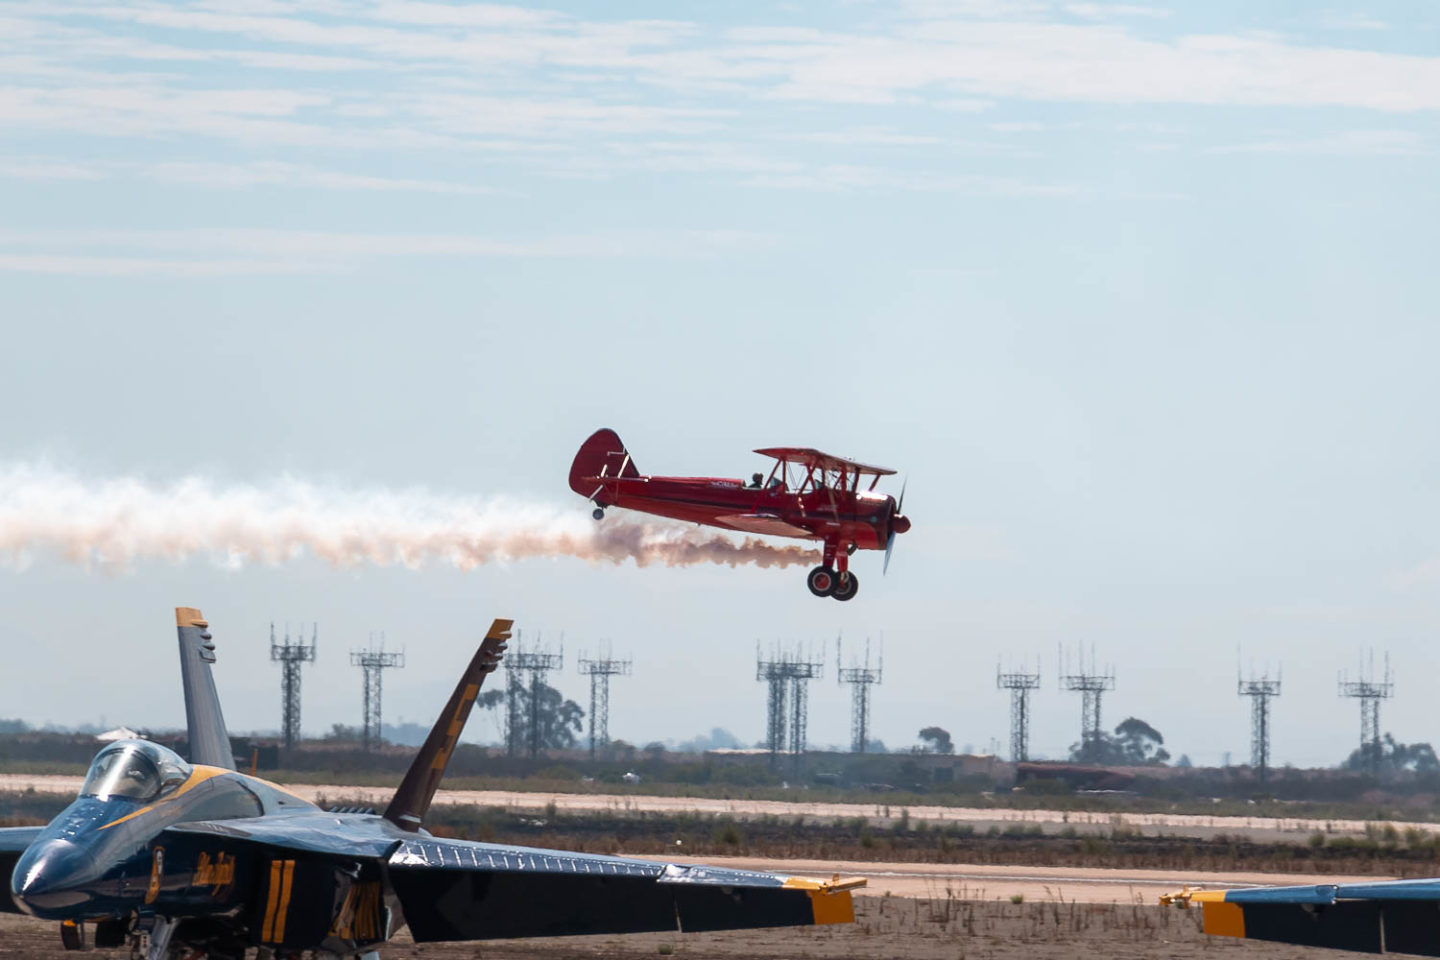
<point>191,858</point>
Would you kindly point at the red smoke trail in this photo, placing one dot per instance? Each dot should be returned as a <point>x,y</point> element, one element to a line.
<point>112,524</point>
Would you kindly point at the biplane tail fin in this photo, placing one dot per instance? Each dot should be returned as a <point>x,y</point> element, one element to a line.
<point>602,456</point>
<point>412,800</point>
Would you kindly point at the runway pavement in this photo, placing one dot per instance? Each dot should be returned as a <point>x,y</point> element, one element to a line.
<point>878,814</point>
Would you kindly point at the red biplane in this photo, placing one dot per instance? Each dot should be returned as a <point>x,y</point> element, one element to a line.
<point>808,494</point>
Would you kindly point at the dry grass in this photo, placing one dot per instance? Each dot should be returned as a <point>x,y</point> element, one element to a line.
<point>947,926</point>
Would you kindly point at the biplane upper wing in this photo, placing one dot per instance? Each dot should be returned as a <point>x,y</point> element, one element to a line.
<point>462,890</point>
<point>822,461</point>
<point>1388,916</point>
<point>767,523</point>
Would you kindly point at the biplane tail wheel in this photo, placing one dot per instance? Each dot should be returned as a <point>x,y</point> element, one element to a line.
<point>598,513</point>
<point>846,586</point>
<point>821,581</point>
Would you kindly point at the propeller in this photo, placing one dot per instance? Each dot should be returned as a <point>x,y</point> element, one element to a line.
<point>901,526</point>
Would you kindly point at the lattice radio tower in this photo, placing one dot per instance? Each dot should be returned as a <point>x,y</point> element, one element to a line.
<point>1369,692</point>
<point>1019,683</point>
<point>600,669</point>
<point>374,662</point>
<point>1091,686</point>
<point>290,656</point>
<point>787,672</point>
<point>1260,690</point>
<point>861,679</point>
<point>522,727</point>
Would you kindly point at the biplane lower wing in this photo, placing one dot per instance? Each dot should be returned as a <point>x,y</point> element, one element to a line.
<point>766,523</point>
<point>13,842</point>
<point>1394,916</point>
<point>458,890</point>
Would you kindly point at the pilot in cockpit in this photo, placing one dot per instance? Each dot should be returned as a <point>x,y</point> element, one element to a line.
<point>134,769</point>
<point>756,481</point>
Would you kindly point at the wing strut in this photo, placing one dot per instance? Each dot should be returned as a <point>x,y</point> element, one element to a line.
<point>407,810</point>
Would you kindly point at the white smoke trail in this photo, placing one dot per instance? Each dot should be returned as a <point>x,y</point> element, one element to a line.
<point>111,524</point>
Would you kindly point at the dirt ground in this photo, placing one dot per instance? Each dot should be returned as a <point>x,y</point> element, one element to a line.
<point>886,927</point>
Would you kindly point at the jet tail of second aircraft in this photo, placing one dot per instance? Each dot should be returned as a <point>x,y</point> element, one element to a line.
<point>412,800</point>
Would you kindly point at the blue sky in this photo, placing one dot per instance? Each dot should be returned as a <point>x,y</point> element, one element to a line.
<point>1140,297</point>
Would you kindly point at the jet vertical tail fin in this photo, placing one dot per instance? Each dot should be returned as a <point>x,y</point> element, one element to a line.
<point>412,800</point>
<point>205,724</point>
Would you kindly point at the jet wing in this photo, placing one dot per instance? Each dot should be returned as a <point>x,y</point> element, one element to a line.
<point>317,832</point>
<point>13,841</point>
<point>1390,916</point>
<point>16,839</point>
<point>762,523</point>
<point>460,890</point>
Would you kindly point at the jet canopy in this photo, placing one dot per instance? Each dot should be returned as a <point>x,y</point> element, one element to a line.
<point>135,769</point>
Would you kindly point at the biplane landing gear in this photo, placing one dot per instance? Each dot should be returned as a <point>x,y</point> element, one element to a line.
<point>846,586</point>
<point>821,581</point>
<point>598,513</point>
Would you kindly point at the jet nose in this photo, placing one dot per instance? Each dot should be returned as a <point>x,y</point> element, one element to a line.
<point>45,878</point>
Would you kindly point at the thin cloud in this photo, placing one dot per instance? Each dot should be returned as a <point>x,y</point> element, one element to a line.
<point>47,168</point>
<point>1111,11</point>
<point>234,252</point>
<point>1349,143</point>
<point>1352,21</point>
<point>842,177</point>
<point>566,95</point>
<point>272,173</point>
<point>103,266</point>
<point>226,175</point>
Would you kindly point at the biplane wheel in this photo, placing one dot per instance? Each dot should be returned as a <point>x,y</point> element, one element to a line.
<point>821,581</point>
<point>598,513</point>
<point>846,586</point>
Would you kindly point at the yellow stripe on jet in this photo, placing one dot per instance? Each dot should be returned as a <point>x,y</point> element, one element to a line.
<point>267,929</point>
<point>285,889</point>
<point>1218,916</point>
<point>1222,919</point>
<point>830,900</point>
<point>189,617</point>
